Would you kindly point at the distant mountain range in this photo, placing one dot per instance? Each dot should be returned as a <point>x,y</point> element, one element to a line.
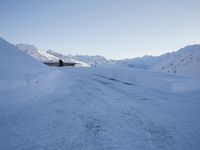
<point>48,56</point>
<point>185,61</point>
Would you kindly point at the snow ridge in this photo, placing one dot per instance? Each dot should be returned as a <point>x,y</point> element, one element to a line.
<point>15,64</point>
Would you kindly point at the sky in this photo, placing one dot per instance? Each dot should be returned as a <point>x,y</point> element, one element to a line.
<point>116,29</point>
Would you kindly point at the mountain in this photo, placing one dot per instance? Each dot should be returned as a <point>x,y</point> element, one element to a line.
<point>15,63</point>
<point>48,56</point>
<point>83,59</point>
<point>52,56</point>
<point>185,61</point>
<point>36,53</point>
<point>96,108</point>
<point>67,58</point>
<point>92,60</point>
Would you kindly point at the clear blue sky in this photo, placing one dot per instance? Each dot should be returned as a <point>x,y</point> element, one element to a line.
<point>113,28</point>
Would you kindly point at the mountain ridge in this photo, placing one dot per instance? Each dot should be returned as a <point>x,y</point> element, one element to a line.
<point>185,61</point>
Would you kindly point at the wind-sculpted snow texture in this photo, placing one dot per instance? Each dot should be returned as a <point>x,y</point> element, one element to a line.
<point>88,109</point>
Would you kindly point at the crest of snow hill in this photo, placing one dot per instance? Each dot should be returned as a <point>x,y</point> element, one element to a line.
<point>14,63</point>
<point>185,61</point>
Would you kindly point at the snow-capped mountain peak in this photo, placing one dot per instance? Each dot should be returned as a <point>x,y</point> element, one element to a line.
<point>36,53</point>
<point>48,56</point>
<point>185,61</point>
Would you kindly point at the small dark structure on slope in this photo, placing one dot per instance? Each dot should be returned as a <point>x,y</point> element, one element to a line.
<point>60,63</point>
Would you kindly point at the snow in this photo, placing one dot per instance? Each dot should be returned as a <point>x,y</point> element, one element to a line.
<point>102,108</point>
<point>48,56</point>
<point>91,60</point>
<point>87,110</point>
<point>191,84</point>
<point>137,77</point>
<point>68,59</point>
<point>185,61</point>
<point>40,55</point>
<point>15,64</point>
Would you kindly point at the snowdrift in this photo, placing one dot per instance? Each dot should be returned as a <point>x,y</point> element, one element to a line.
<point>15,64</point>
<point>21,75</point>
<point>150,79</point>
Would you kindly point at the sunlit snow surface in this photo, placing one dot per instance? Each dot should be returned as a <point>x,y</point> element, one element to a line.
<point>94,109</point>
<point>43,108</point>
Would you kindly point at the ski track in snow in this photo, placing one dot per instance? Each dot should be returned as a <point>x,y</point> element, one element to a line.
<point>97,113</point>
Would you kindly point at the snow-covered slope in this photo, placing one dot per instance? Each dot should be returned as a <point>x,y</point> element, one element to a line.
<point>185,61</point>
<point>82,59</point>
<point>68,59</point>
<point>22,75</point>
<point>94,108</point>
<point>48,56</point>
<point>92,60</point>
<point>14,63</point>
<point>36,53</point>
<point>144,62</point>
<point>100,109</point>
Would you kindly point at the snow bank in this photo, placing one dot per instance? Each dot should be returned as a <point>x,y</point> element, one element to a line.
<point>147,79</point>
<point>150,79</point>
<point>15,65</point>
<point>13,91</point>
<point>21,75</point>
<point>42,81</point>
<point>192,84</point>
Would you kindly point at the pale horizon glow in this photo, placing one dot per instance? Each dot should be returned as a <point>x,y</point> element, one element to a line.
<point>115,29</point>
